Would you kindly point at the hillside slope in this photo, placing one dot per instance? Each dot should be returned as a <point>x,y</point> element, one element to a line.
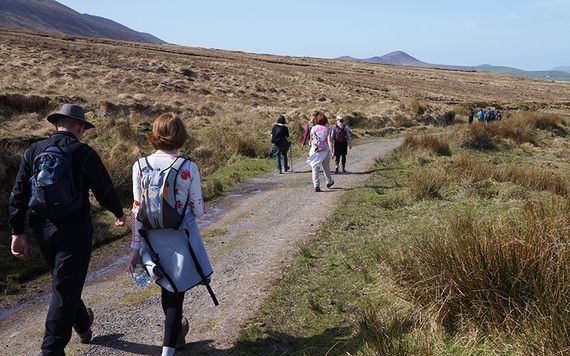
<point>51,16</point>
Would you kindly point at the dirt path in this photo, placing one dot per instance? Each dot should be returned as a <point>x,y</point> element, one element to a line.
<point>251,237</point>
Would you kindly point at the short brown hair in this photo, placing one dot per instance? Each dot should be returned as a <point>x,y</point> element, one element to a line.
<point>168,132</point>
<point>321,119</point>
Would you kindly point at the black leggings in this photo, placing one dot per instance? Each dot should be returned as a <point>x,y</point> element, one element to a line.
<point>338,158</point>
<point>172,307</point>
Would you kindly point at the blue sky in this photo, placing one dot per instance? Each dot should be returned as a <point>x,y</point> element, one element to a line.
<point>528,34</point>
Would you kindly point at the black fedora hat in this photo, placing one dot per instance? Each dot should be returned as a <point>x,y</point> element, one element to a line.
<point>71,111</point>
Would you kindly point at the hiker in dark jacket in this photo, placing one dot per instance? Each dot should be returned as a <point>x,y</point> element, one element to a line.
<point>471,115</point>
<point>342,142</point>
<point>498,115</point>
<point>281,142</point>
<point>65,242</point>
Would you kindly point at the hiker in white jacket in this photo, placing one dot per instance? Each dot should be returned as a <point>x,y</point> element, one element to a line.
<point>168,135</point>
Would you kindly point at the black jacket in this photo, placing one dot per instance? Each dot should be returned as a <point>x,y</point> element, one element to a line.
<point>89,173</point>
<point>279,135</point>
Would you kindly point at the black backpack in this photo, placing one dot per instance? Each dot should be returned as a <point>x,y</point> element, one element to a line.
<point>55,194</point>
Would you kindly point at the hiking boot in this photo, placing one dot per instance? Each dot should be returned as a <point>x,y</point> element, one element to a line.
<point>287,168</point>
<point>317,189</point>
<point>343,171</point>
<point>336,170</point>
<point>330,184</point>
<point>86,336</point>
<point>280,171</point>
<point>181,341</point>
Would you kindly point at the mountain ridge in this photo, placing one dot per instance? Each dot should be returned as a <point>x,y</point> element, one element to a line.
<point>402,58</point>
<point>52,16</point>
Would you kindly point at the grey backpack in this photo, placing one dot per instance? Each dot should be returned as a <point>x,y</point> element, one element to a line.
<point>158,198</point>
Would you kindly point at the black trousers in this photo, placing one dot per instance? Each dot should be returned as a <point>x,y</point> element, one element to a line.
<point>67,251</point>
<point>340,158</point>
<point>172,307</point>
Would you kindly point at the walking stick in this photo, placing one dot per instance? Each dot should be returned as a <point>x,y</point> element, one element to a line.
<point>291,157</point>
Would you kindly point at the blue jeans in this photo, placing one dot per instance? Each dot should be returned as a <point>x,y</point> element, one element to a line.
<point>280,154</point>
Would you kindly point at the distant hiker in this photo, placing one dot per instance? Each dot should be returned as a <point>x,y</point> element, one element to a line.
<point>166,241</point>
<point>281,143</point>
<point>471,114</point>
<point>53,182</point>
<point>498,115</point>
<point>491,115</point>
<point>480,115</point>
<point>319,154</point>
<point>342,140</point>
<point>308,127</point>
<point>487,116</point>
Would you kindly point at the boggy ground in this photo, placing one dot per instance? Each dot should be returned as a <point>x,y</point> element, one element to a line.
<point>251,244</point>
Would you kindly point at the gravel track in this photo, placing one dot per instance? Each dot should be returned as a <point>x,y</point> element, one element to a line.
<point>251,239</point>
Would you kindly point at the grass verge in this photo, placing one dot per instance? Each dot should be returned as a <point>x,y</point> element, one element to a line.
<point>481,266</point>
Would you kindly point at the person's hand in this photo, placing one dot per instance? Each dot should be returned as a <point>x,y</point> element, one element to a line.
<point>134,260</point>
<point>120,221</point>
<point>350,147</point>
<point>19,246</point>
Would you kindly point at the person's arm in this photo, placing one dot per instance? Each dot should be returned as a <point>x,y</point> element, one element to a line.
<point>135,257</point>
<point>20,196</point>
<point>100,183</point>
<point>306,135</point>
<point>18,206</point>
<point>348,137</point>
<point>197,204</point>
<point>287,137</point>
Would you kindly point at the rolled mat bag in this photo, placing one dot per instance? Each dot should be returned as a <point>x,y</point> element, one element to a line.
<point>178,271</point>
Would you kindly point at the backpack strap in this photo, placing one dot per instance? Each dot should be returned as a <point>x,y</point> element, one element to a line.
<point>75,145</point>
<point>143,163</point>
<point>177,166</point>
<point>179,162</point>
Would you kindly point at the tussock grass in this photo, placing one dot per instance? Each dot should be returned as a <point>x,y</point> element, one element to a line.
<point>426,184</point>
<point>521,127</point>
<point>470,169</point>
<point>427,142</point>
<point>510,273</point>
<point>516,129</point>
<point>477,136</point>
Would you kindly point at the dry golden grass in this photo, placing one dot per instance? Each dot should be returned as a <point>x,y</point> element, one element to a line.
<point>472,170</point>
<point>426,184</point>
<point>427,142</point>
<point>508,274</point>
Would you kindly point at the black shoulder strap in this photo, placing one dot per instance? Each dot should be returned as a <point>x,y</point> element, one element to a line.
<point>75,145</point>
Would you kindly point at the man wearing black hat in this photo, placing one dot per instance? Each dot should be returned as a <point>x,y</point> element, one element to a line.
<point>65,242</point>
